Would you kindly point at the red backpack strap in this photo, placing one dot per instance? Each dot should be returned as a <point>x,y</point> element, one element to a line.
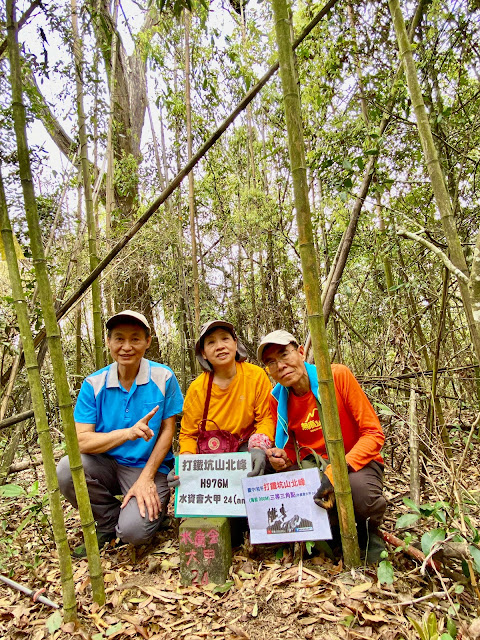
<point>207,402</point>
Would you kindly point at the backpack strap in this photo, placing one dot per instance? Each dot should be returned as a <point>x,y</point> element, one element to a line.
<point>207,402</point>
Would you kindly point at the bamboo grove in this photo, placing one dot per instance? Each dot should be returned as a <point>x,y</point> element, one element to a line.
<point>122,104</point>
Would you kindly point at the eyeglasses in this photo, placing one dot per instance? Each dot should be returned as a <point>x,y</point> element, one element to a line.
<point>272,365</point>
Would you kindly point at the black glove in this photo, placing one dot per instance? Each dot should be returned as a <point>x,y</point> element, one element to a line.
<point>259,460</point>
<point>172,481</point>
<point>325,496</point>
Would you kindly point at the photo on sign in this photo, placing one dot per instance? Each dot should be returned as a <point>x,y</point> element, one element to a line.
<point>280,507</point>
<point>279,521</point>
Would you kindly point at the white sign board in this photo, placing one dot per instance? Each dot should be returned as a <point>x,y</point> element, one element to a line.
<point>280,507</point>
<point>211,485</point>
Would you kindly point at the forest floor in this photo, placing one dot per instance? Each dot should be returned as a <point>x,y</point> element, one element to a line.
<point>274,591</point>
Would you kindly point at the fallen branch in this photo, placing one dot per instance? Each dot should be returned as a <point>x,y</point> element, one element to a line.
<point>409,550</point>
<point>20,417</point>
<point>29,464</point>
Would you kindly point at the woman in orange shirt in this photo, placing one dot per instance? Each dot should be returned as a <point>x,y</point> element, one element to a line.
<point>239,399</point>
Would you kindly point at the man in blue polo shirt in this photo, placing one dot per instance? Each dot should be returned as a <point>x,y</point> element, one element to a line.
<point>125,421</point>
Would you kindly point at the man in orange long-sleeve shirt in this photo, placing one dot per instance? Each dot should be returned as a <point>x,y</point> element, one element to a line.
<point>293,404</point>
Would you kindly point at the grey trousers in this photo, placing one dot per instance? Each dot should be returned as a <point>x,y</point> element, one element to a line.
<point>369,502</point>
<point>105,480</point>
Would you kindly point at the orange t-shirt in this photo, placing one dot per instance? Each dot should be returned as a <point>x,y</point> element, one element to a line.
<point>245,402</point>
<point>362,433</point>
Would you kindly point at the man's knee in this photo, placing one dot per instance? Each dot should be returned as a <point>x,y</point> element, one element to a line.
<point>133,528</point>
<point>367,494</point>
<point>64,476</point>
<point>370,507</point>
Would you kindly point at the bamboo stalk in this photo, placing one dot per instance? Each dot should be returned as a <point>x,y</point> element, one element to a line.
<point>87,190</point>
<point>440,192</point>
<point>331,426</point>
<point>48,310</point>
<point>41,421</point>
<point>191,190</point>
<point>154,206</point>
<point>415,493</point>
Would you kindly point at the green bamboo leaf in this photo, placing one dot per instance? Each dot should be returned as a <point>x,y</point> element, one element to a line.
<point>432,625</point>
<point>222,588</point>
<point>430,537</point>
<point>115,628</point>
<point>418,629</point>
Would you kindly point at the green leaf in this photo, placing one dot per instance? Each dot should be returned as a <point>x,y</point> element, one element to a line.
<point>432,625</point>
<point>452,627</point>
<point>343,196</point>
<point>418,629</point>
<point>346,164</point>
<point>452,611</point>
<point>11,491</point>
<point>446,636</point>
<point>348,620</point>
<point>475,553</point>
<point>309,546</point>
<point>54,622</point>
<point>407,520</point>
<point>411,505</point>
<point>98,636</point>
<point>385,572</point>
<point>113,629</point>
<point>430,538</point>
<point>383,409</point>
<point>459,588</point>
<point>440,516</point>
<point>33,491</point>
<point>222,588</point>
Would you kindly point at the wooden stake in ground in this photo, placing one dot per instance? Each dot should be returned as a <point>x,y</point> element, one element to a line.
<point>41,421</point>
<point>331,426</point>
<point>46,300</point>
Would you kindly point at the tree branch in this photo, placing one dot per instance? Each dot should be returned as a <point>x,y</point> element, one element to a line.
<point>438,252</point>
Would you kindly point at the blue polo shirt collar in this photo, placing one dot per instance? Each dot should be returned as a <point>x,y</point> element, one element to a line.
<point>143,375</point>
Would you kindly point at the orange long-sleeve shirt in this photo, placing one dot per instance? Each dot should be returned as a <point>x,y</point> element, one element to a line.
<point>362,433</point>
<point>243,403</point>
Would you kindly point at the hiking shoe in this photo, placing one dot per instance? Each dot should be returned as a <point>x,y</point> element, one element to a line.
<point>376,545</point>
<point>103,538</point>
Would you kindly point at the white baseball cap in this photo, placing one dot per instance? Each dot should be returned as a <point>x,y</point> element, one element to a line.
<point>127,315</point>
<point>280,336</point>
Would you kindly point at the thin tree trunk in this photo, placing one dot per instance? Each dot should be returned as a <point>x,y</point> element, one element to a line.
<point>369,172</point>
<point>332,429</point>
<point>414,440</point>
<point>78,308</point>
<point>87,190</point>
<point>48,310</point>
<point>191,192</point>
<point>41,421</point>
<point>441,195</point>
